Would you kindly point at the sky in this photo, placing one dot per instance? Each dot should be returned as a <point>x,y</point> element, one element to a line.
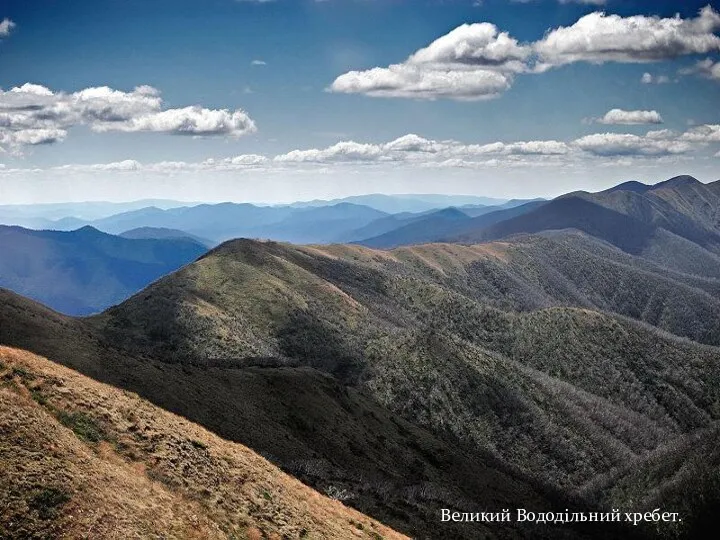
<point>283,100</point>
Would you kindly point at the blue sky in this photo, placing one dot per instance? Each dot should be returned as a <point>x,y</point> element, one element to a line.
<point>518,109</point>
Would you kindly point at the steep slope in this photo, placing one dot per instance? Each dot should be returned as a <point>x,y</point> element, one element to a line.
<point>80,458</point>
<point>332,436</point>
<point>433,370</point>
<point>85,271</point>
<point>682,205</point>
<point>448,224</point>
<point>422,230</point>
<point>623,231</point>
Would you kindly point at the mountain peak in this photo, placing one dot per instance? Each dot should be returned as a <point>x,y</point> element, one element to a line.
<point>677,181</point>
<point>632,185</point>
<point>88,230</point>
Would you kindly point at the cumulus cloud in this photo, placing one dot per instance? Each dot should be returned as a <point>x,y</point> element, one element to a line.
<point>479,61</point>
<point>598,38</point>
<point>478,44</point>
<point>412,148</point>
<point>6,27</point>
<point>705,68</point>
<point>623,117</point>
<point>186,121</point>
<point>706,133</point>
<point>625,144</point>
<point>648,78</point>
<point>472,62</point>
<point>33,114</point>
<point>258,63</point>
<point>406,81</point>
<point>417,152</point>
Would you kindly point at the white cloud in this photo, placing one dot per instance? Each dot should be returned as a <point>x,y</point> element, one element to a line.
<point>30,137</point>
<point>412,148</point>
<point>478,44</point>
<point>648,78</point>
<point>407,81</point>
<point>706,133</point>
<point>33,114</point>
<point>116,166</point>
<point>625,144</point>
<point>661,134</point>
<point>623,117</point>
<point>258,63</point>
<point>472,62</point>
<point>705,68</point>
<point>193,120</point>
<point>6,27</point>
<point>416,153</point>
<point>598,38</point>
<point>342,151</point>
<point>478,61</point>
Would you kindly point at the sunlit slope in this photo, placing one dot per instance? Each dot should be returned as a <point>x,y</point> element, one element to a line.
<point>80,458</point>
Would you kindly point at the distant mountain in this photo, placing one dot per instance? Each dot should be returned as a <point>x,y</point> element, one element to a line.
<point>394,204</point>
<point>85,271</point>
<point>66,216</point>
<point>620,230</point>
<point>159,233</point>
<point>446,225</point>
<point>219,222</point>
<point>682,205</point>
<point>323,224</point>
<point>475,210</point>
<point>426,228</point>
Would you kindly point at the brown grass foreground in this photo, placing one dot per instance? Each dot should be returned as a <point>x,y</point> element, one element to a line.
<point>81,459</point>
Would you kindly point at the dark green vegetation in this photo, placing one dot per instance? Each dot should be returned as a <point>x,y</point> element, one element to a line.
<point>575,367</point>
<point>85,271</point>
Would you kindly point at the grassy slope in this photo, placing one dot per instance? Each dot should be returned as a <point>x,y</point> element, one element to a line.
<point>82,458</point>
<point>332,436</point>
<point>560,398</point>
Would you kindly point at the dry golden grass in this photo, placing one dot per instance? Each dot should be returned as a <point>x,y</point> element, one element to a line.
<point>81,459</point>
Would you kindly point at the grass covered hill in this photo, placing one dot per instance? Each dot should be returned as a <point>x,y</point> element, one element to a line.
<point>410,378</point>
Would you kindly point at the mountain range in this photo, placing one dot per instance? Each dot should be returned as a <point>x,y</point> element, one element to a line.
<point>85,271</point>
<point>549,356</point>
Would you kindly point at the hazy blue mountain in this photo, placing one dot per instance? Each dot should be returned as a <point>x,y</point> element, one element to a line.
<point>440,228</point>
<point>85,271</point>
<point>324,224</point>
<point>219,222</point>
<point>159,233</point>
<point>427,228</point>
<point>394,204</point>
<point>473,210</point>
<point>56,215</point>
<point>384,225</point>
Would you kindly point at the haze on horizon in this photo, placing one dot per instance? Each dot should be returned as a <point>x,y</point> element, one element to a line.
<point>280,101</point>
